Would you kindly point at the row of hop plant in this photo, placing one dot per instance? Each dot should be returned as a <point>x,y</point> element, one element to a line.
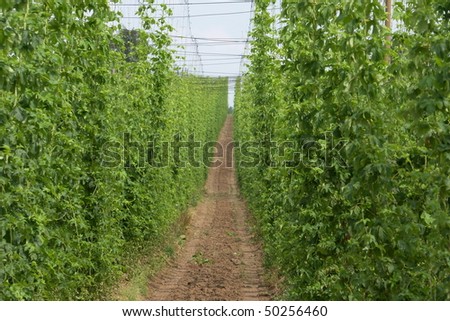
<point>81,102</point>
<point>359,208</point>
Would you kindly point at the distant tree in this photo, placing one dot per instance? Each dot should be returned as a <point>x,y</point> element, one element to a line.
<point>130,40</point>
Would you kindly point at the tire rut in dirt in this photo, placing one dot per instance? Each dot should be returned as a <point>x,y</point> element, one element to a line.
<point>221,259</point>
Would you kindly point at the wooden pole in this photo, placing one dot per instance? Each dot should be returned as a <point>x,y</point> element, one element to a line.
<point>389,14</point>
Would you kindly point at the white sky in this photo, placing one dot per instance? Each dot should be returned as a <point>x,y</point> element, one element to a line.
<point>226,26</point>
<point>218,58</point>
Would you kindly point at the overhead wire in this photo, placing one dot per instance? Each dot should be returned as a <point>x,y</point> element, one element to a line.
<point>201,15</point>
<point>224,73</point>
<point>182,4</point>
<point>215,54</point>
<point>220,64</point>
<point>211,38</point>
<point>207,44</point>
<point>222,59</point>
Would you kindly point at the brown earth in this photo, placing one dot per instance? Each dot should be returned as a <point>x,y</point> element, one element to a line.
<point>220,260</point>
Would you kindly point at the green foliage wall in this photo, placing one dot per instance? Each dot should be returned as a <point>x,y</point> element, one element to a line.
<point>363,212</point>
<point>69,200</point>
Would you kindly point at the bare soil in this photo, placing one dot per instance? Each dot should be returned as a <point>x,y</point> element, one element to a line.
<point>220,260</point>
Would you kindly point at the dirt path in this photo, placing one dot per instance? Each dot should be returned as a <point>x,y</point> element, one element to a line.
<point>220,259</point>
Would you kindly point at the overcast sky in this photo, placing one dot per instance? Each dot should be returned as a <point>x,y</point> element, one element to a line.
<point>233,27</point>
<point>224,33</point>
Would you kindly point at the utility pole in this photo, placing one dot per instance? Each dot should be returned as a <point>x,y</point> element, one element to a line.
<point>389,14</point>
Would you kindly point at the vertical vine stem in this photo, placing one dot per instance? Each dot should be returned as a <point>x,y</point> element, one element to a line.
<point>388,4</point>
